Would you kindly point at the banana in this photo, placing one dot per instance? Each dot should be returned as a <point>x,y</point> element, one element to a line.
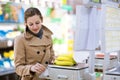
<point>67,55</point>
<point>63,58</point>
<point>63,63</point>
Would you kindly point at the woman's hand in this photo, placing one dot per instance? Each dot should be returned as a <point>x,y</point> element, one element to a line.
<point>38,68</point>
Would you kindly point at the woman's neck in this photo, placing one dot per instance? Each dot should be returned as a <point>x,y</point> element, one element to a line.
<point>39,34</point>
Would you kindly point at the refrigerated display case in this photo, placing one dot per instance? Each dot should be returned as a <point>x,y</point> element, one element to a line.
<point>98,30</point>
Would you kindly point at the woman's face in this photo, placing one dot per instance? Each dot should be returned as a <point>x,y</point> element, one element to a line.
<point>34,23</point>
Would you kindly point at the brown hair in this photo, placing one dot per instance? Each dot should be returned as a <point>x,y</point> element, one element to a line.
<point>31,12</point>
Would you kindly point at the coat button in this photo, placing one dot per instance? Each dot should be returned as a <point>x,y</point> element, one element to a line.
<point>46,62</point>
<point>38,52</point>
<point>44,50</point>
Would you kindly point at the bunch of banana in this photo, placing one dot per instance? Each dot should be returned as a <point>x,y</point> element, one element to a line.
<point>65,60</point>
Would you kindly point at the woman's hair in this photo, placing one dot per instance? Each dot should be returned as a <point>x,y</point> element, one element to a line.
<point>31,12</point>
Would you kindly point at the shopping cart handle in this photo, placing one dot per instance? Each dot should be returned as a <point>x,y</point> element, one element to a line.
<point>62,77</point>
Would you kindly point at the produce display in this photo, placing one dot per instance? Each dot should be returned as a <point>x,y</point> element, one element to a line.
<point>65,60</point>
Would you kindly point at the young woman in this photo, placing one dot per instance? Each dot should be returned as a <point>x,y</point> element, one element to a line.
<point>33,49</point>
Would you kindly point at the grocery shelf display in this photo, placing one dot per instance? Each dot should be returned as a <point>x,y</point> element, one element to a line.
<point>56,17</point>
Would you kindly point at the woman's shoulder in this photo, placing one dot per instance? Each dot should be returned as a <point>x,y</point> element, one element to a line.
<point>19,37</point>
<point>46,30</point>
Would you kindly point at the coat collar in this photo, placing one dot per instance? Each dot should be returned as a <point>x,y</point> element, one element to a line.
<point>46,32</point>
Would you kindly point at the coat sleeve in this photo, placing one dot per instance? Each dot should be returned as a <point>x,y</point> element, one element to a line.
<point>19,58</point>
<point>52,56</point>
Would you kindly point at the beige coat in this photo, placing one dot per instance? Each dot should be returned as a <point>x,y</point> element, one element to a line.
<point>30,50</point>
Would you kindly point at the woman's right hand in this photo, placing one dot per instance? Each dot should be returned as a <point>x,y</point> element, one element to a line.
<point>38,68</point>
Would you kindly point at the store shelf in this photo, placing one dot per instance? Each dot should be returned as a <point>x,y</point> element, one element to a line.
<point>6,72</point>
<point>6,43</point>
